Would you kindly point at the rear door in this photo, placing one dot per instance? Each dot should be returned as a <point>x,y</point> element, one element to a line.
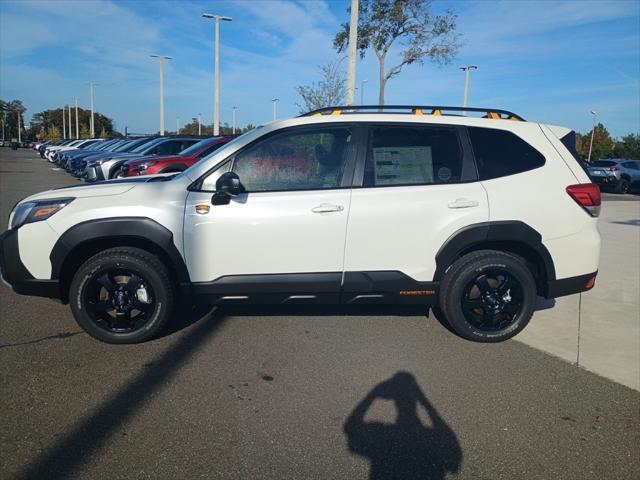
<point>416,188</point>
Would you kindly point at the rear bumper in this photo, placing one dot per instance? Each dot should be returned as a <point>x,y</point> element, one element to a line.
<point>15,274</point>
<point>571,285</point>
<point>605,180</point>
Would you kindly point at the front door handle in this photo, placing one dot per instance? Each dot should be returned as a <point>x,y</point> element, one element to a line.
<point>463,203</point>
<point>327,208</point>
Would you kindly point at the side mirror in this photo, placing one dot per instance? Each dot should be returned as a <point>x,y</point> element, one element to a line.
<point>227,186</point>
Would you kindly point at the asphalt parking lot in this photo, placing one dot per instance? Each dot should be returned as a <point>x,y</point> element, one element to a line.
<point>304,394</point>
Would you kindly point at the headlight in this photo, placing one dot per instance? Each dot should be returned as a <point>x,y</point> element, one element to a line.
<point>95,163</point>
<point>37,210</point>
<point>145,165</point>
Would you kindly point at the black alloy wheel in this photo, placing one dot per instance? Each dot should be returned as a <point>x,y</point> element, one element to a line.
<point>119,300</point>
<point>492,300</point>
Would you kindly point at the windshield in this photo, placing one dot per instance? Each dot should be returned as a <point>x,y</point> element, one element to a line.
<point>197,146</point>
<point>130,145</point>
<point>247,136</point>
<point>145,145</point>
<point>604,163</point>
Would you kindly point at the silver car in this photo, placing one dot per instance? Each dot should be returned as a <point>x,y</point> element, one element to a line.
<point>616,174</point>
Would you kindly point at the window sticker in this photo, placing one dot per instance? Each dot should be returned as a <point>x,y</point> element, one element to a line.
<point>402,165</point>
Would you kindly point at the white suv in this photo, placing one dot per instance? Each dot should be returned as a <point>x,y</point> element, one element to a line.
<point>475,217</point>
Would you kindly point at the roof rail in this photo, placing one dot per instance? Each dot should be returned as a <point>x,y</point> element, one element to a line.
<point>493,113</point>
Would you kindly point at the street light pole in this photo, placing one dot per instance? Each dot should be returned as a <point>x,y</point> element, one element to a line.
<point>199,124</point>
<point>234,120</point>
<point>216,72</point>
<point>92,121</point>
<point>69,112</point>
<point>275,108</point>
<point>362,91</point>
<point>19,134</point>
<point>162,58</point>
<point>77,124</point>
<point>177,125</point>
<point>353,49</point>
<point>467,71</point>
<point>64,125</point>
<point>593,130</point>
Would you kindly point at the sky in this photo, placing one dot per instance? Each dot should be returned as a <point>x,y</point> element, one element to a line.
<point>550,61</point>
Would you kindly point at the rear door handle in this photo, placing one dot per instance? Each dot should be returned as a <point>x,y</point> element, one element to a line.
<point>327,208</point>
<point>463,203</point>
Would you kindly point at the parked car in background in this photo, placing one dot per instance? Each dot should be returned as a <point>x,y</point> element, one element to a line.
<point>615,174</point>
<point>107,168</point>
<point>172,163</point>
<point>63,159</point>
<point>79,166</point>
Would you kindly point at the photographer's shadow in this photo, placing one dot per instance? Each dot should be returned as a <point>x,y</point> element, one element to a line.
<point>406,449</point>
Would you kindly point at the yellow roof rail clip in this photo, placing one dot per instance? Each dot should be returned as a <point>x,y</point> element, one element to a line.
<point>493,115</point>
<point>336,112</point>
<point>418,111</point>
<point>436,112</point>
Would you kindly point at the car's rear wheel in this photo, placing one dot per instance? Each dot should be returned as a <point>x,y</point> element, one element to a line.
<point>622,186</point>
<point>122,295</point>
<point>488,296</point>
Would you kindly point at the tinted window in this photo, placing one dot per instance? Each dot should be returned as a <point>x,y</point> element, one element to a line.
<point>604,163</point>
<point>412,156</point>
<point>209,149</point>
<point>310,160</point>
<point>499,153</point>
<point>196,146</point>
<point>629,165</point>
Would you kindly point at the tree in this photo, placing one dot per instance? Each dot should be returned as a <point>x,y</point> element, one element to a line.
<point>9,112</point>
<point>628,147</point>
<point>422,34</point>
<point>602,144</point>
<point>43,121</point>
<point>330,90</point>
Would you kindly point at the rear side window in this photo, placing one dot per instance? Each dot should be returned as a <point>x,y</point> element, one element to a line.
<point>604,163</point>
<point>209,149</point>
<point>412,155</point>
<point>499,153</point>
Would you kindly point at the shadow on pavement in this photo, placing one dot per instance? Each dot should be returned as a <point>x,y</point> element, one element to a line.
<point>406,449</point>
<point>76,447</point>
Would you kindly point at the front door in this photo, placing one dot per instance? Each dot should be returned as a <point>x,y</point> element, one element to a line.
<point>282,240</point>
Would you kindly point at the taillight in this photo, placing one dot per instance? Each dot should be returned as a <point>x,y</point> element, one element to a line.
<point>613,169</point>
<point>587,195</point>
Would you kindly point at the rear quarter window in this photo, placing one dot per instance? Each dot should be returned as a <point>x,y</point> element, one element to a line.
<point>499,153</point>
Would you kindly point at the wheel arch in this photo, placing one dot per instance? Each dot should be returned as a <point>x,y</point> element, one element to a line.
<point>84,240</point>
<point>509,236</point>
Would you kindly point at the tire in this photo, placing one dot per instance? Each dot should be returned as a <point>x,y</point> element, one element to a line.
<point>122,295</point>
<point>622,186</point>
<point>488,296</point>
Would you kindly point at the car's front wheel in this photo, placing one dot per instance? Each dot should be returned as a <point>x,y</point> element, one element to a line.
<point>488,296</point>
<point>122,295</point>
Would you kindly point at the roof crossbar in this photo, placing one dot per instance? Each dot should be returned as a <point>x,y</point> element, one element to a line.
<point>493,113</point>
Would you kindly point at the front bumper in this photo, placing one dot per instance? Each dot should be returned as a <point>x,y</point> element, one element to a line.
<point>93,173</point>
<point>15,274</point>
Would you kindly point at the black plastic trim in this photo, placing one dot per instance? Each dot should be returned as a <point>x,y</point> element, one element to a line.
<point>117,228</point>
<point>568,286</point>
<point>385,287</point>
<point>501,231</point>
<point>16,274</point>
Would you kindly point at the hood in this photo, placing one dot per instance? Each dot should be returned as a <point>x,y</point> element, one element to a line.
<point>85,190</point>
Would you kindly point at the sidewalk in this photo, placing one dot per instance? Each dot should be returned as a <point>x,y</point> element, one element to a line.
<point>608,340</point>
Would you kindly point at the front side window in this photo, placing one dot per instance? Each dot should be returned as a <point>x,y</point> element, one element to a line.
<point>295,160</point>
<point>500,153</point>
<point>412,155</point>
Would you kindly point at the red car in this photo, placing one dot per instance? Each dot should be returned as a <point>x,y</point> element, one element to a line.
<point>151,165</point>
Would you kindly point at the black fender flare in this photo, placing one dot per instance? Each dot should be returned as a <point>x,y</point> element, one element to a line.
<point>118,228</point>
<point>502,231</point>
